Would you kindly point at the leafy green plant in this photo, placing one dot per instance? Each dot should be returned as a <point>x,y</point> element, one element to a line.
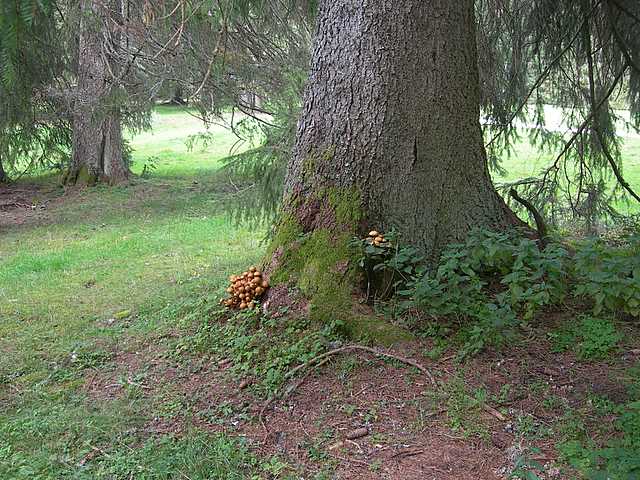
<point>562,339</point>
<point>597,338</point>
<point>591,339</point>
<point>525,467</point>
<point>149,166</point>
<point>274,467</point>
<point>609,276</point>
<point>388,267</point>
<point>618,460</point>
<point>261,346</point>
<point>492,281</point>
<point>633,382</point>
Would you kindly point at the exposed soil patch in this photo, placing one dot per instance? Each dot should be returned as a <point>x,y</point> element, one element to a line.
<point>280,299</point>
<point>24,203</point>
<point>408,428</point>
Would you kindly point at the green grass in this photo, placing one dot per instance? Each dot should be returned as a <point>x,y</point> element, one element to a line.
<point>143,248</point>
<point>153,248</point>
<point>167,142</point>
<point>527,161</point>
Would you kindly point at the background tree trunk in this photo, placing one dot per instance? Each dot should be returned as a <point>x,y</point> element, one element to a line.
<point>178,96</point>
<point>97,134</point>
<point>3,175</point>
<point>392,110</point>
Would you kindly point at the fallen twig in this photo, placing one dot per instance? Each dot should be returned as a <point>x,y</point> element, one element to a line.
<point>357,433</point>
<point>494,412</point>
<point>320,360</point>
<point>347,348</point>
<point>407,453</point>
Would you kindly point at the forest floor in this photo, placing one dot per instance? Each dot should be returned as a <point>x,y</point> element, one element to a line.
<point>116,363</point>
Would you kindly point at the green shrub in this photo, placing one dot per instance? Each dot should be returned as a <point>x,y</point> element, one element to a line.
<point>596,338</point>
<point>493,280</point>
<point>591,339</point>
<point>610,276</point>
<point>619,459</point>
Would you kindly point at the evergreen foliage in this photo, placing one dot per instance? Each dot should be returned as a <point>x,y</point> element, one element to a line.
<point>33,132</point>
<point>582,56</point>
<point>251,57</point>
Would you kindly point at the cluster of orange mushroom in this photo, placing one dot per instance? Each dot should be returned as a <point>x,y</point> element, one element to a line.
<point>245,289</point>
<point>377,239</point>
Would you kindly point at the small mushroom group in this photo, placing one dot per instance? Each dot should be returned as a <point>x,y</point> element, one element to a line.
<point>245,289</point>
<point>377,239</point>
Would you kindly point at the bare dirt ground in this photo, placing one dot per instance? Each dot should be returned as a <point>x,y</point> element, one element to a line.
<point>374,419</point>
<point>23,203</point>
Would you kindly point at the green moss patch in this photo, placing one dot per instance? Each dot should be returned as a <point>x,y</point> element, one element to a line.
<point>321,265</point>
<point>369,327</point>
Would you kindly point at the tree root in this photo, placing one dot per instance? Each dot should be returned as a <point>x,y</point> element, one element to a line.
<point>320,360</point>
<point>540,224</point>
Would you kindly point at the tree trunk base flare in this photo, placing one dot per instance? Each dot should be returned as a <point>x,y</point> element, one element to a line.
<point>317,266</point>
<point>389,138</point>
<point>97,156</point>
<point>80,177</point>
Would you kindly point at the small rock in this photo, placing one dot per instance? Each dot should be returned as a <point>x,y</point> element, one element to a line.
<point>357,433</point>
<point>244,384</point>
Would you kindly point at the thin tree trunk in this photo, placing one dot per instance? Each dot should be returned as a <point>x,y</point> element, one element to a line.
<point>97,135</point>
<point>392,110</point>
<point>389,137</point>
<point>3,175</point>
<point>178,98</point>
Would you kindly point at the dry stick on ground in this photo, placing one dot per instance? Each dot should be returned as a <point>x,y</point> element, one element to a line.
<point>347,348</point>
<point>324,358</point>
<point>494,412</point>
<point>406,453</point>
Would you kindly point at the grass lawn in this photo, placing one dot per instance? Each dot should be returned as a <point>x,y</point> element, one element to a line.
<point>67,271</point>
<point>527,161</point>
<point>98,289</point>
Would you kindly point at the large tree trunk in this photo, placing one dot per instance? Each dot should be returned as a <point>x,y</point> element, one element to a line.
<point>393,101</point>
<point>97,134</point>
<point>389,136</point>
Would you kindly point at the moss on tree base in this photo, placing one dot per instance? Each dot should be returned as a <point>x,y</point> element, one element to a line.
<point>319,263</point>
<point>80,177</point>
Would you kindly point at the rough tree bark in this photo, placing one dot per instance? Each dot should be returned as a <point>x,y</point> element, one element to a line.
<point>3,175</point>
<point>389,137</point>
<point>97,134</point>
